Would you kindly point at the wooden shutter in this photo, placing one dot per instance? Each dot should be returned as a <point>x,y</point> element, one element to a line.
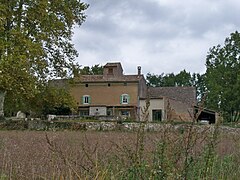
<point>121,99</point>
<point>89,99</point>
<point>82,99</point>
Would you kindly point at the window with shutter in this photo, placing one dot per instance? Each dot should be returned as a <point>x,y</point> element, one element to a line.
<point>86,99</point>
<point>125,99</point>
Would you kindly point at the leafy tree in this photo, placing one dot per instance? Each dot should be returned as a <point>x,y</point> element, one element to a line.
<point>35,43</point>
<point>85,70</point>
<point>169,80</point>
<point>223,77</point>
<point>198,80</point>
<point>97,69</point>
<point>154,80</point>
<point>94,70</point>
<point>50,100</point>
<point>55,101</point>
<point>183,78</point>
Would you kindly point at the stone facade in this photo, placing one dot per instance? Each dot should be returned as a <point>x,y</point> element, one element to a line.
<point>164,109</point>
<point>112,93</point>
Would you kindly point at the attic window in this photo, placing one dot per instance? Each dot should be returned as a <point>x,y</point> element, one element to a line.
<point>110,71</point>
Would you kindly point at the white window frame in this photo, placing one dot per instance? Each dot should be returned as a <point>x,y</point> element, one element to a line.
<point>86,99</point>
<point>125,99</point>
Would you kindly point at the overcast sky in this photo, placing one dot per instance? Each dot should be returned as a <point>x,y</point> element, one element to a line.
<point>162,36</point>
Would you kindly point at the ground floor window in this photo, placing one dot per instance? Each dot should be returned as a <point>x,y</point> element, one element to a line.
<point>84,112</point>
<point>125,113</point>
<point>157,115</point>
<point>109,111</point>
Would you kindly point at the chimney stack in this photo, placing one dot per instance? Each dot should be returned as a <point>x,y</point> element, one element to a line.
<point>139,70</point>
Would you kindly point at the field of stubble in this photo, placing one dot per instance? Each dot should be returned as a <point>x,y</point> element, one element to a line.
<point>118,155</point>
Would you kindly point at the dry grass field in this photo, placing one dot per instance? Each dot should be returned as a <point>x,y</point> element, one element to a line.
<point>186,154</point>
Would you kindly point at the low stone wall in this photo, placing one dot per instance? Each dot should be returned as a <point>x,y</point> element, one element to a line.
<point>105,126</point>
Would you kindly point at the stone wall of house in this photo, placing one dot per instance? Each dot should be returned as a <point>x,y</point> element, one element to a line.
<point>178,110</point>
<point>97,111</point>
<point>155,104</point>
<point>103,94</point>
<point>171,109</point>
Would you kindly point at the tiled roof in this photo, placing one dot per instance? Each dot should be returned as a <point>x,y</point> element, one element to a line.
<point>101,78</point>
<point>113,64</point>
<point>183,94</point>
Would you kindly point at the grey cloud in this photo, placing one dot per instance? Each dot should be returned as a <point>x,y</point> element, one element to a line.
<point>162,35</point>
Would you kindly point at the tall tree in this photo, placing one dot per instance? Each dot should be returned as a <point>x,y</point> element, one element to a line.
<point>223,77</point>
<point>97,69</point>
<point>154,80</point>
<point>35,43</point>
<point>94,70</point>
<point>183,78</point>
<point>198,80</point>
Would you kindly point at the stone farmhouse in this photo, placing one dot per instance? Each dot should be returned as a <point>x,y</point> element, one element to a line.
<point>111,94</point>
<point>117,95</point>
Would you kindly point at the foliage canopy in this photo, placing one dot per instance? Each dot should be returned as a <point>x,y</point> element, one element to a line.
<point>35,43</point>
<point>223,77</point>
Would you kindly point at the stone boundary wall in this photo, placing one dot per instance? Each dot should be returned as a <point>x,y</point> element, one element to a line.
<point>105,126</point>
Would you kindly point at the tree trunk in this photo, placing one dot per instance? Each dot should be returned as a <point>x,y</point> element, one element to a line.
<point>2,96</point>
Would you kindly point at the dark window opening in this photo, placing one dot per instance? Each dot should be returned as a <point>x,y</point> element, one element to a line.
<point>109,112</point>
<point>125,113</point>
<point>110,71</point>
<point>84,113</point>
<point>125,84</point>
<point>157,115</point>
<point>125,99</point>
<point>86,99</point>
<point>109,84</point>
<point>86,85</point>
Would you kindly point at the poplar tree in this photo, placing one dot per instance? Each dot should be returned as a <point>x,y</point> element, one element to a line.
<point>35,43</point>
